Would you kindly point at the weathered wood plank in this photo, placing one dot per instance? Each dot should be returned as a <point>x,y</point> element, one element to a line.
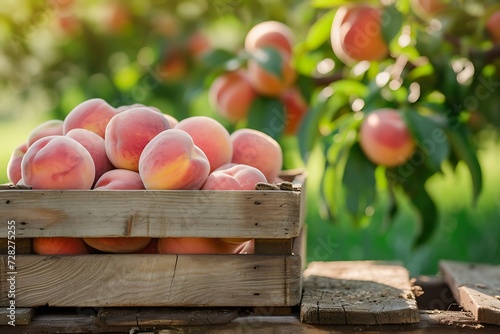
<point>476,287</point>
<point>80,213</point>
<point>195,316</point>
<point>432,322</point>
<point>155,280</point>
<point>364,292</point>
<point>18,317</point>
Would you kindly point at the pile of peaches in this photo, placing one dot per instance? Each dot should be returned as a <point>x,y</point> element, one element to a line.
<point>137,147</point>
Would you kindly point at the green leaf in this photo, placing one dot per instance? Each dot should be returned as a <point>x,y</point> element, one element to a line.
<point>358,181</point>
<point>392,21</point>
<point>328,3</point>
<point>413,178</point>
<point>430,137</point>
<point>349,88</point>
<point>216,58</point>
<point>320,31</point>
<point>462,147</point>
<point>309,131</point>
<point>267,115</point>
<point>427,215</point>
<point>328,192</point>
<point>270,59</point>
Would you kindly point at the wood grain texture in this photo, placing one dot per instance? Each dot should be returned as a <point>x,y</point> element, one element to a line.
<point>364,293</point>
<point>476,287</point>
<point>432,322</point>
<point>80,213</point>
<point>167,316</point>
<point>154,280</point>
<point>22,316</point>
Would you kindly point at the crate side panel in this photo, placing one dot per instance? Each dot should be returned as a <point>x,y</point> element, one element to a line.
<point>154,280</point>
<point>229,214</point>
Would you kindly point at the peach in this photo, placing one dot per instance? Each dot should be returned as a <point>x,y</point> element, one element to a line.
<point>14,164</point>
<point>493,26</point>
<point>151,248</point>
<point>198,44</point>
<point>57,162</point>
<point>385,138</point>
<point>51,127</point>
<point>119,179</point>
<point>231,95</point>
<point>426,9</point>
<point>234,177</point>
<point>265,82</point>
<point>211,137</point>
<point>194,246</point>
<point>118,245</point>
<point>248,247</point>
<point>269,33</point>
<point>93,115</point>
<point>174,66</point>
<point>136,105</point>
<point>257,149</point>
<point>357,34</point>
<point>129,132</point>
<point>59,246</point>
<point>95,145</point>
<point>172,161</point>
<point>171,120</point>
<point>295,110</point>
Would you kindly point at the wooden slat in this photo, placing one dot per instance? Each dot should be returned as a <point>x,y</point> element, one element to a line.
<point>21,316</point>
<point>166,316</point>
<point>432,322</point>
<point>79,213</point>
<point>365,293</point>
<point>476,287</point>
<point>154,280</point>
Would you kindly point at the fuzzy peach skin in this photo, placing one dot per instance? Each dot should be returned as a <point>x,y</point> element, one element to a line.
<point>59,246</point>
<point>95,145</point>
<point>269,33</point>
<point>295,109</point>
<point>51,127</point>
<point>385,138</point>
<point>14,164</point>
<point>93,115</point>
<point>195,246</point>
<point>234,177</point>
<point>257,149</point>
<point>265,82</point>
<point>231,95</point>
<point>129,132</point>
<point>119,245</point>
<point>356,34</point>
<point>57,162</point>
<point>211,137</point>
<point>172,161</point>
<point>151,248</point>
<point>119,179</point>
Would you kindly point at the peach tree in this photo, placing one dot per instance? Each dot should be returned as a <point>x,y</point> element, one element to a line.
<point>389,92</point>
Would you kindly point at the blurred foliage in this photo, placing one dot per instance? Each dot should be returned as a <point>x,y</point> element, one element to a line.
<point>442,73</point>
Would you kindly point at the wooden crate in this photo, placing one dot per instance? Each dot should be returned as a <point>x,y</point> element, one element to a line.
<point>270,277</point>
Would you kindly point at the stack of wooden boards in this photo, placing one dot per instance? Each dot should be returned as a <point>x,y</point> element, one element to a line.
<point>338,297</point>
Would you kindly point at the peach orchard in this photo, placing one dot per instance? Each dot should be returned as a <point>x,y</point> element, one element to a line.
<point>387,91</point>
